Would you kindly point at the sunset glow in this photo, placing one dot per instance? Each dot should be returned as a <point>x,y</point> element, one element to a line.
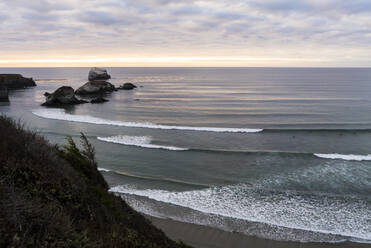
<point>185,33</point>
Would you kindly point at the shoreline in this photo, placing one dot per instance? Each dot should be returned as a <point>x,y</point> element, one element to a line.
<point>200,236</point>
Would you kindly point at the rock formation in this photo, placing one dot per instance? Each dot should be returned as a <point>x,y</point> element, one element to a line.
<point>13,82</point>
<point>95,87</point>
<point>64,95</point>
<point>96,73</point>
<point>16,81</point>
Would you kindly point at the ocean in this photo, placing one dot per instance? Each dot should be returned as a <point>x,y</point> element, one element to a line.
<point>278,153</point>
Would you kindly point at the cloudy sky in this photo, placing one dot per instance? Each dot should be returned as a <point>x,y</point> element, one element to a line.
<point>185,33</point>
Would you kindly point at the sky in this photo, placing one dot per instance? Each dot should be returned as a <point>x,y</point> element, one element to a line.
<point>274,33</point>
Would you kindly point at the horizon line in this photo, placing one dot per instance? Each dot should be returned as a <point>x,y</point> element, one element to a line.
<point>182,61</point>
<point>222,66</point>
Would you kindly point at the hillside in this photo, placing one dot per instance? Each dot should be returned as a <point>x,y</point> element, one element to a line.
<point>55,197</point>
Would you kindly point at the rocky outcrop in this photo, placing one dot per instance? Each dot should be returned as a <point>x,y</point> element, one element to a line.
<point>127,86</point>
<point>4,94</point>
<point>16,81</point>
<point>13,82</point>
<point>95,87</point>
<point>98,100</point>
<point>96,73</point>
<point>64,95</point>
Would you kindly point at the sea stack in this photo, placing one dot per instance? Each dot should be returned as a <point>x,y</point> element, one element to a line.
<point>96,73</point>
<point>97,83</point>
<point>95,87</point>
<point>64,95</point>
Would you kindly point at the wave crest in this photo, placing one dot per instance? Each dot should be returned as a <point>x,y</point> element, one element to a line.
<point>350,157</point>
<point>140,141</point>
<point>60,114</point>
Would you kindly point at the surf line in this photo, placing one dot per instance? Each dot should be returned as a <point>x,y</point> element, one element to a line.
<point>60,114</point>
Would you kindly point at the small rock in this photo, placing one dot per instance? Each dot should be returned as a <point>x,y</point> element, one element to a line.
<point>98,100</point>
<point>127,86</point>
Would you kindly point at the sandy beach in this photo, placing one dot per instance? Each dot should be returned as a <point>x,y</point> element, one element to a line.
<point>207,237</point>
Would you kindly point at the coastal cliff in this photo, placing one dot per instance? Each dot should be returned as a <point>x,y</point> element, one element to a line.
<point>16,81</point>
<point>13,82</point>
<point>55,197</point>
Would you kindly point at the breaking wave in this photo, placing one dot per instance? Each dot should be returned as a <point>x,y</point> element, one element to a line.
<point>60,114</point>
<point>145,142</point>
<point>140,141</point>
<point>350,157</point>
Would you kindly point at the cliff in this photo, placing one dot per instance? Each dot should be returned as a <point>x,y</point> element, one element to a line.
<point>54,197</point>
<point>4,94</point>
<point>13,82</point>
<point>16,81</point>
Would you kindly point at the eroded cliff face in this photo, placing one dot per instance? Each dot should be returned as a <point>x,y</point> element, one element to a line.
<point>55,197</point>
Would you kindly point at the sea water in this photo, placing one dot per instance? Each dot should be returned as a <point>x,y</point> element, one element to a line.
<point>280,153</point>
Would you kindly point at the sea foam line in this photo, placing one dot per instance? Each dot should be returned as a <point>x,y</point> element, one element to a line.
<point>60,114</point>
<point>350,157</point>
<point>240,202</point>
<point>140,141</point>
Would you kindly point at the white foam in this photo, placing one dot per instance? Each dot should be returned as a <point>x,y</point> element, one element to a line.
<point>350,157</point>
<point>60,114</point>
<point>322,214</point>
<point>103,169</point>
<point>140,141</point>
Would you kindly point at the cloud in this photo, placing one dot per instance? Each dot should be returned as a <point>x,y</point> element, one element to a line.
<point>99,17</point>
<point>181,27</point>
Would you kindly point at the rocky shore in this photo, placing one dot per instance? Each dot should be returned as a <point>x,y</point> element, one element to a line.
<point>13,82</point>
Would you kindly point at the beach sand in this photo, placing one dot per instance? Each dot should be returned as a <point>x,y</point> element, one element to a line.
<point>207,237</point>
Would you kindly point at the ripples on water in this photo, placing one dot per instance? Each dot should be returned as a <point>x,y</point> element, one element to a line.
<point>278,153</point>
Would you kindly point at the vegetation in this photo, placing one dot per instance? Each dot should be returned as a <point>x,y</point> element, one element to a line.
<point>55,197</point>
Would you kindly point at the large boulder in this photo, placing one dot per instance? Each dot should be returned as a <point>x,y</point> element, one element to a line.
<point>127,86</point>
<point>64,95</point>
<point>96,73</point>
<point>16,81</point>
<point>4,94</point>
<point>95,87</point>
